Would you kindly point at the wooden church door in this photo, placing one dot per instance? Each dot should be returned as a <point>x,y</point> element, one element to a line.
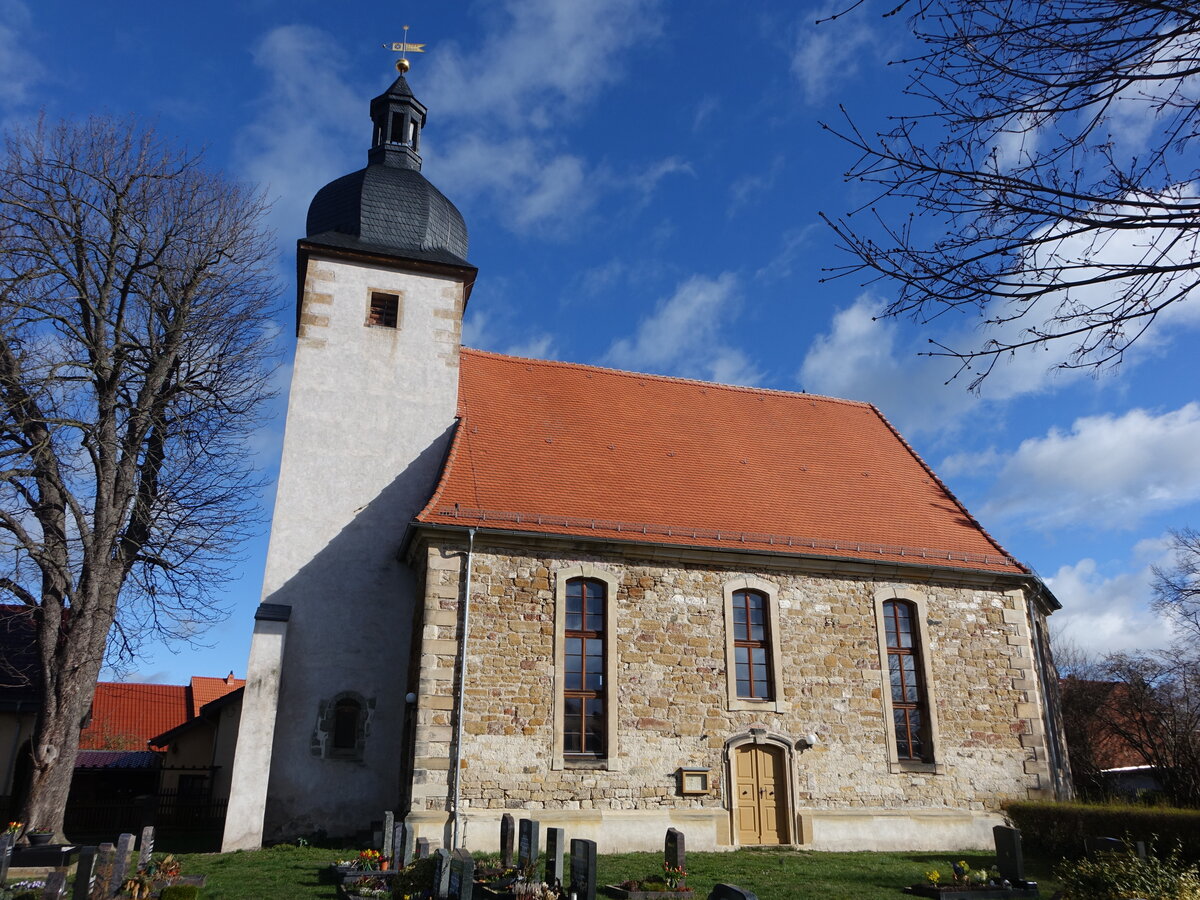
<point>760,776</point>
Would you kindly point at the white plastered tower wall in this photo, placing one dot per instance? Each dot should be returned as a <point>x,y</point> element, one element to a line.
<point>370,413</point>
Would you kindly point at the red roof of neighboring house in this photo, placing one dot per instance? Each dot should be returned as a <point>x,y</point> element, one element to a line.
<point>206,689</point>
<point>125,716</point>
<point>563,448</point>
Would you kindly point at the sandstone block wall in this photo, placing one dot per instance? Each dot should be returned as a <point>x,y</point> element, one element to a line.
<point>667,630</point>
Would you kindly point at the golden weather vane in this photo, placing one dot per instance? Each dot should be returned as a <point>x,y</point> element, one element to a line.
<point>404,48</point>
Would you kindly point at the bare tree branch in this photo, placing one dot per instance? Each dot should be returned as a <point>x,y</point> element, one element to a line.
<point>135,302</point>
<point>1051,162</point>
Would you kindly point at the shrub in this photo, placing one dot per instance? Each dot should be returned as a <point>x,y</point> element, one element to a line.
<point>1117,876</point>
<point>1060,829</point>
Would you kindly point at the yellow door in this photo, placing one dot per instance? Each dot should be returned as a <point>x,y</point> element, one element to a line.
<point>760,782</point>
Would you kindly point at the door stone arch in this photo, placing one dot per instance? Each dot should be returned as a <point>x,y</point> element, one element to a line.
<point>760,774</point>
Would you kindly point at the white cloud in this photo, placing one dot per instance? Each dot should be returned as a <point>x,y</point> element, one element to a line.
<point>1109,614</point>
<point>1107,471</point>
<point>857,359</point>
<point>307,116</point>
<point>684,335</point>
<point>746,188</point>
<point>479,331</point>
<point>20,70</point>
<point>826,55</point>
<point>509,98</point>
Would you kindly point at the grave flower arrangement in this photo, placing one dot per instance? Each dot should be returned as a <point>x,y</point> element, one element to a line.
<point>14,828</point>
<point>368,861</point>
<point>367,886</point>
<point>22,890</point>
<point>963,879</point>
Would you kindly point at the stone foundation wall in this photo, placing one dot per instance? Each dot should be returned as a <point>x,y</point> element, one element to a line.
<point>673,708</point>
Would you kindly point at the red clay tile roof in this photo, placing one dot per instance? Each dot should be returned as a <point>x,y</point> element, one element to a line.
<point>206,689</point>
<point>125,716</point>
<point>562,448</point>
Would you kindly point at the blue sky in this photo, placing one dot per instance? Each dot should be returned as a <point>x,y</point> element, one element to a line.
<point>642,183</point>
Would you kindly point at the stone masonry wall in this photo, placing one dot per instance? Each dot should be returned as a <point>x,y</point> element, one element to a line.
<point>668,632</point>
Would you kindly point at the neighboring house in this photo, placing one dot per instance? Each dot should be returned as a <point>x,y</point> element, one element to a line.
<point>198,763</point>
<point>129,772</point>
<point>614,602</point>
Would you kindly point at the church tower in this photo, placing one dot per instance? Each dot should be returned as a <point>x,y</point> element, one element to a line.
<point>382,285</point>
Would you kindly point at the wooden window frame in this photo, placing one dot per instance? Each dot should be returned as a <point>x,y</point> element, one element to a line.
<point>918,612</point>
<point>389,319</point>
<point>744,602</point>
<point>611,759</point>
<point>593,596</point>
<point>770,594</point>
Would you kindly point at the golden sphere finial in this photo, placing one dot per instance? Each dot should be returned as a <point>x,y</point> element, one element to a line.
<point>403,65</point>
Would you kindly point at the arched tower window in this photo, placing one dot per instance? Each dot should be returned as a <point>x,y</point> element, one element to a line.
<point>905,675</point>
<point>347,713</point>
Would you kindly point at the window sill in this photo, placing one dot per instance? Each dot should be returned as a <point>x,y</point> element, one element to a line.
<point>737,704</point>
<point>585,764</point>
<point>899,767</point>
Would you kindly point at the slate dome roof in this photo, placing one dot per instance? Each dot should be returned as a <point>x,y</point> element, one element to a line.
<point>389,207</point>
<point>393,209</point>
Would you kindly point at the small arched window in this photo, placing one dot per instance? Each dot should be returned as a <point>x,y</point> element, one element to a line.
<point>904,673</point>
<point>347,714</point>
<point>752,646</point>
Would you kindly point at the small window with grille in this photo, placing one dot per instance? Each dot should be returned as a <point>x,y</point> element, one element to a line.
<point>385,310</point>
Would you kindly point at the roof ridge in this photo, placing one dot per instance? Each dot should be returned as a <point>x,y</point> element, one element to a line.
<point>949,493</point>
<point>675,379</point>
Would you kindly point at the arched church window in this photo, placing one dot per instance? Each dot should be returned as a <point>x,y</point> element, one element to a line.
<point>584,688</point>
<point>347,713</point>
<point>905,675</point>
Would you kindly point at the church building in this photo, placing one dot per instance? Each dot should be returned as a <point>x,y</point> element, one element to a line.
<point>611,601</point>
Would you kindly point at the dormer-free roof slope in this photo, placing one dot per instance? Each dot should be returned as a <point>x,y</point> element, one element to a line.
<point>562,448</point>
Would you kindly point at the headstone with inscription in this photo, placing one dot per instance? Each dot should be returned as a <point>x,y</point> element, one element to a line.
<point>120,864</point>
<point>506,841</point>
<point>730,892</point>
<point>6,849</point>
<point>441,874</point>
<point>85,874</point>
<point>583,869</point>
<point>528,839</point>
<point>147,851</point>
<point>105,857</point>
<point>56,885</point>
<point>674,850</point>
<point>388,850</point>
<point>462,876</point>
<point>556,843</point>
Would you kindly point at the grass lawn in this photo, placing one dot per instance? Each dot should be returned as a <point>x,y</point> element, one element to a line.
<point>293,873</point>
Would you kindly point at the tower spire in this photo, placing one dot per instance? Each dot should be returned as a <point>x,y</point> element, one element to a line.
<point>398,116</point>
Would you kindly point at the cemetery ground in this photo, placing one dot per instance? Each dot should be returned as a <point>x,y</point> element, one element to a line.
<point>288,872</point>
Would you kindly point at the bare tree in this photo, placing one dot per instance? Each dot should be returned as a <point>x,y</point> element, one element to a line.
<point>1177,589</point>
<point>135,302</point>
<point>1045,180</point>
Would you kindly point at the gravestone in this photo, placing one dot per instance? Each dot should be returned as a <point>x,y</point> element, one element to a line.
<point>120,864</point>
<point>674,850</point>
<point>396,855</point>
<point>556,843</point>
<point>6,849</point>
<point>730,892</point>
<point>1009,858</point>
<point>462,875</point>
<point>422,851</point>
<point>583,869</point>
<point>105,857</point>
<point>441,874</point>
<point>406,845</point>
<point>85,874</point>
<point>56,885</point>
<point>147,851</point>
<point>1106,844</point>
<point>506,841</point>
<point>528,838</point>
<point>388,850</point>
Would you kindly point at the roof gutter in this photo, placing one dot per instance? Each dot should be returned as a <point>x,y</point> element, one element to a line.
<point>456,755</point>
